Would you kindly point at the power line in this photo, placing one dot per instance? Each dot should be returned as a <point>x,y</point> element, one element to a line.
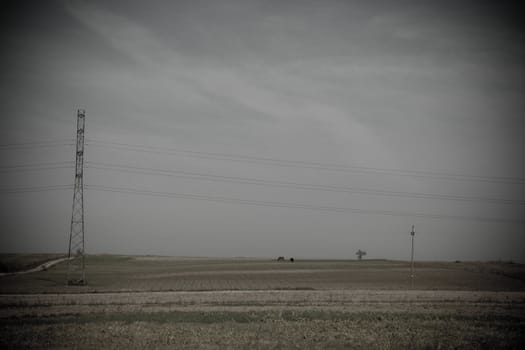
<point>39,144</point>
<point>272,204</point>
<point>294,185</point>
<point>304,164</point>
<point>36,167</point>
<point>35,189</point>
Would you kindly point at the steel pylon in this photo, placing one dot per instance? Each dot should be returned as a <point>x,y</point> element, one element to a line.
<point>76,264</point>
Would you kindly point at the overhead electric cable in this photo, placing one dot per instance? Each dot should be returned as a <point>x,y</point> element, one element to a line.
<point>39,144</point>
<point>294,185</point>
<point>35,189</point>
<point>304,164</point>
<point>220,199</point>
<point>36,167</point>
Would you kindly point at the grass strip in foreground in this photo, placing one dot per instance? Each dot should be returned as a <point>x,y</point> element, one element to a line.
<point>306,329</point>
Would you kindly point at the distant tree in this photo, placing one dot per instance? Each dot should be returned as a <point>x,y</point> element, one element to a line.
<point>360,254</point>
<point>291,260</point>
<point>281,258</point>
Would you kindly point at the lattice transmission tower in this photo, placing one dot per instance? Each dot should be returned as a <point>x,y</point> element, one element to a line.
<point>76,265</point>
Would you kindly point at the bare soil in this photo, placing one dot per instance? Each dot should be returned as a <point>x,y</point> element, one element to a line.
<point>165,303</point>
<point>126,273</point>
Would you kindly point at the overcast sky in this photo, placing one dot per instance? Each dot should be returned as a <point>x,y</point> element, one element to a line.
<point>373,108</point>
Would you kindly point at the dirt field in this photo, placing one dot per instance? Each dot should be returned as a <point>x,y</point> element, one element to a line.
<point>155,302</point>
<point>106,273</point>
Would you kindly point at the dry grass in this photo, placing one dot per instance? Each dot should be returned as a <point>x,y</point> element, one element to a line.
<point>124,273</point>
<point>266,330</point>
<point>156,302</point>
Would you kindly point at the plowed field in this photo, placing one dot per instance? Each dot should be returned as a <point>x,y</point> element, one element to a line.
<point>156,302</point>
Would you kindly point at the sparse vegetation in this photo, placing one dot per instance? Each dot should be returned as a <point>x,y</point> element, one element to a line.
<point>266,330</point>
<point>106,273</point>
<point>18,262</point>
<point>154,302</point>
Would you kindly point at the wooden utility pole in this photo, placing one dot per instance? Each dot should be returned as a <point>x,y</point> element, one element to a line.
<point>413,233</point>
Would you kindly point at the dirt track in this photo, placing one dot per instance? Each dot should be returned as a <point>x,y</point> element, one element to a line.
<point>41,267</point>
<point>276,297</point>
<point>341,300</point>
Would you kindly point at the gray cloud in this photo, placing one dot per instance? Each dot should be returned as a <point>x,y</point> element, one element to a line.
<point>413,85</point>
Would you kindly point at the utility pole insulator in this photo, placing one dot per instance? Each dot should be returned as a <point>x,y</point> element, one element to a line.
<point>76,265</point>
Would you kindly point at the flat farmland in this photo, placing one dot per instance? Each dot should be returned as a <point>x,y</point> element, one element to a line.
<point>238,303</point>
<point>109,273</point>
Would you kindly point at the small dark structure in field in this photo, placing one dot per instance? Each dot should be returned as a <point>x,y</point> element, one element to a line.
<point>360,254</point>
<point>281,258</point>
